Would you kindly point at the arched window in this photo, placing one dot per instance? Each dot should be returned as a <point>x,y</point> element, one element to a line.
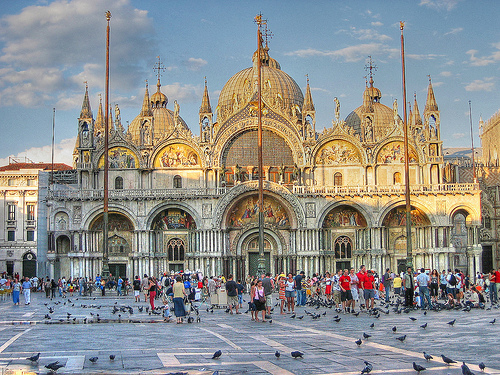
<point>343,248</point>
<point>119,183</point>
<point>175,250</point>
<point>397,178</point>
<point>337,179</point>
<point>177,182</point>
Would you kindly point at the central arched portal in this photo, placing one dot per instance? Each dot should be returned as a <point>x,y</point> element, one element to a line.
<point>251,249</point>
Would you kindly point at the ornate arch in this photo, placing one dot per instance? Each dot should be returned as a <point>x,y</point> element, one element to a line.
<point>475,215</point>
<point>424,208</point>
<point>378,149</point>
<point>180,205</point>
<point>276,124</point>
<point>92,215</point>
<point>223,204</point>
<point>173,141</point>
<point>326,210</point>
<point>338,137</point>
<point>237,244</point>
<point>122,144</point>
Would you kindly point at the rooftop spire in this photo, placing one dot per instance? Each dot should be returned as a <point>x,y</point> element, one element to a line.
<point>417,119</point>
<point>372,68</point>
<point>430,104</point>
<point>205,101</point>
<point>159,68</point>
<point>86,111</point>
<point>99,124</point>
<point>308,102</point>
<point>146,107</point>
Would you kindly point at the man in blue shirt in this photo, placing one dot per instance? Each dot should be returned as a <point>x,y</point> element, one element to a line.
<point>119,286</point>
<point>423,287</point>
<point>27,291</point>
<point>301,293</point>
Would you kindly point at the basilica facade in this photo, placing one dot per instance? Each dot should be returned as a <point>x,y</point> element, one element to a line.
<point>333,199</point>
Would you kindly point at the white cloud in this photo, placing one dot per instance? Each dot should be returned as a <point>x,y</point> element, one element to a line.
<point>479,61</point>
<point>369,34</point>
<point>195,64</point>
<point>437,84</point>
<point>454,31</point>
<point>458,135</point>
<point>440,4</point>
<point>429,56</point>
<point>63,153</point>
<point>446,74</point>
<point>51,49</point>
<point>377,23</point>
<point>351,53</point>
<point>481,85</point>
<point>182,93</point>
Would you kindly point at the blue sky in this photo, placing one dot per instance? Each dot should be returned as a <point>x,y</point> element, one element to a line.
<point>49,48</point>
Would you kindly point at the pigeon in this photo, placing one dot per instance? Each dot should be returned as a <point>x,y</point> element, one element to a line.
<point>34,358</point>
<point>300,317</point>
<point>412,318</point>
<point>277,354</point>
<point>292,317</point>
<point>337,320</point>
<point>356,314</point>
<point>428,357</point>
<point>358,342</point>
<point>372,325</point>
<point>217,354</point>
<point>93,359</point>
<point>481,366</point>
<point>54,366</point>
<point>366,336</point>
<point>447,360</point>
<point>394,329</point>
<point>297,354</point>
<point>418,368</point>
<point>466,370</point>
<point>270,321</point>
<point>452,322</point>
<point>493,321</point>
<point>368,368</point>
<point>424,326</point>
<point>112,357</point>
<point>401,338</point>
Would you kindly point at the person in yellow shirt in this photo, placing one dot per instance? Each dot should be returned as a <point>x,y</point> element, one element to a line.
<point>397,285</point>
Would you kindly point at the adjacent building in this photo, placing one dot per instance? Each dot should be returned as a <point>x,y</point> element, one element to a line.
<point>19,213</point>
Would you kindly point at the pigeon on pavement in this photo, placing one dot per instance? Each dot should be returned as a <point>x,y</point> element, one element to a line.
<point>277,354</point>
<point>54,366</point>
<point>297,354</point>
<point>366,336</point>
<point>466,370</point>
<point>112,357</point>
<point>418,368</point>
<point>447,360</point>
<point>358,342</point>
<point>217,354</point>
<point>401,338</point>
<point>482,366</point>
<point>428,357</point>
<point>34,358</point>
<point>424,326</point>
<point>93,359</point>
<point>452,322</point>
<point>368,368</point>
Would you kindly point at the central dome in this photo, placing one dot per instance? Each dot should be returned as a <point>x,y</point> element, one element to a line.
<point>277,87</point>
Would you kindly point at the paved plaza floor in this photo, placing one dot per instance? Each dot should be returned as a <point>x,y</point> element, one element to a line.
<point>144,344</point>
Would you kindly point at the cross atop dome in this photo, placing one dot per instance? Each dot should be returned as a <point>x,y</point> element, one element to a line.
<point>159,67</point>
<point>372,68</point>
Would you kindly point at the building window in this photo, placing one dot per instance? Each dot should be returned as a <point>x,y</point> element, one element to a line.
<point>10,267</point>
<point>487,222</point>
<point>30,211</point>
<point>177,182</point>
<point>343,248</point>
<point>337,179</point>
<point>30,235</point>
<point>175,249</point>
<point>397,178</point>
<point>119,183</point>
<point>31,182</point>
<point>12,212</point>
<point>12,182</point>
<point>11,235</point>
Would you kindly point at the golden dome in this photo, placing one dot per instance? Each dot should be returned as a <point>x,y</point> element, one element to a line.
<point>163,118</point>
<point>277,87</point>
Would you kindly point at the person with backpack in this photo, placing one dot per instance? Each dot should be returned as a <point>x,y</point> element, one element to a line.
<point>451,283</point>
<point>137,288</point>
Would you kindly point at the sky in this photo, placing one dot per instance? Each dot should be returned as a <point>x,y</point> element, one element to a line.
<point>48,49</point>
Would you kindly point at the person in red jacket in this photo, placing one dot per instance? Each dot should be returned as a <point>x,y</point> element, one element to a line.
<point>369,290</point>
<point>345,291</point>
<point>361,277</point>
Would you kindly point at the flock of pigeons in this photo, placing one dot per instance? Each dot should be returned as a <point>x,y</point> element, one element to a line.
<point>54,366</point>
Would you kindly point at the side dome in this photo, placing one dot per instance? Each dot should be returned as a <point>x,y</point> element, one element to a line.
<point>380,116</point>
<point>277,87</point>
<point>163,118</point>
